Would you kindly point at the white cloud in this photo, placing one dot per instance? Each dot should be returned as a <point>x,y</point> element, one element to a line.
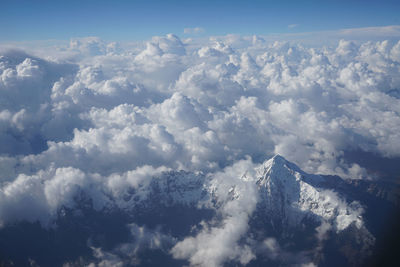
<point>213,104</point>
<point>121,115</point>
<point>214,245</point>
<point>196,30</point>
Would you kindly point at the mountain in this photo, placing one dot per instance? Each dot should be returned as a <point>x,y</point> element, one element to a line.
<point>290,195</point>
<point>273,214</point>
<point>303,214</point>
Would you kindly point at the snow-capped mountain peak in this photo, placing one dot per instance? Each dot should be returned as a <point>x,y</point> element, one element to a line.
<point>286,192</point>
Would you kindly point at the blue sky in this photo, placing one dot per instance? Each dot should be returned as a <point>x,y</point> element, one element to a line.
<point>139,19</point>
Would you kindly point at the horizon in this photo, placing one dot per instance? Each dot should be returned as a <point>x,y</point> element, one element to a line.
<point>140,20</point>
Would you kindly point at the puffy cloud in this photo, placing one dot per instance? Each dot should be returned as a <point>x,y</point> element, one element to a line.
<point>203,107</point>
<point>23,199</point>
<point>25,106</point>
<point>91,46</point>
<point>120,115</point>
<point>214,245</point>
<point>39,197</point>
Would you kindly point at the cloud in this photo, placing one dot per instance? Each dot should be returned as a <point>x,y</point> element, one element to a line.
<point>214,245</point>
<point>202,107</point>
<point>391,30</point>
<point>196,30</point>
<point>331,37</point>
<point>129,253</point>
<point>292,26</point>
<point>120,116</point>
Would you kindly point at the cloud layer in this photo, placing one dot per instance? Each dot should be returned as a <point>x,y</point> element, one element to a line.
<point>102,119</point>
<point>200,108</point>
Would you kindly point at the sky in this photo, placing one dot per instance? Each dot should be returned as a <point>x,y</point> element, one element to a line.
<point>22,20</point>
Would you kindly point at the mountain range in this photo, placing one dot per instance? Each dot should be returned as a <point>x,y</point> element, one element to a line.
<point>274,214</point>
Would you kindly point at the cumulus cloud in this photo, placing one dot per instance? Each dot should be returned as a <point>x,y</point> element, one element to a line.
<point>182,106</point>
<point>103,120</point>
<point>216,244</point>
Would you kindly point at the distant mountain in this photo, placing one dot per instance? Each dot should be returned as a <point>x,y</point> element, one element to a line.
<point>290,218</point>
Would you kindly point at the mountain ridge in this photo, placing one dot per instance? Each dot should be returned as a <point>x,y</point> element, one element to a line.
<point>273,212</point>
